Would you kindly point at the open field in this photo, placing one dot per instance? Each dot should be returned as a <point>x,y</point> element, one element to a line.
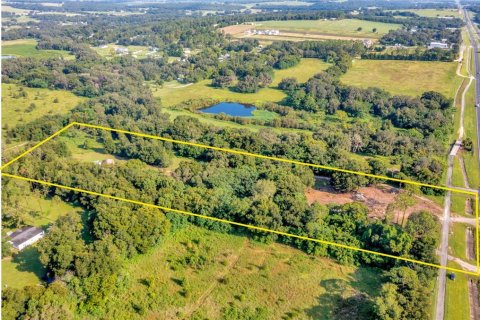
<point>231,271</point>
<point>432,13</point>
<point>225,123</point>
<point>404,77</point>
<point>456,296</point>
<point>23,269</point>
<point>33,103</point>
<point>26,48</point>
<point>299,36</point>
<point>139,52</point>
<point>16,11</point>
<point>173,92</point>
<point>345,27</point>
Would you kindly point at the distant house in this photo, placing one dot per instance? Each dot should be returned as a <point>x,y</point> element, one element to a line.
<point>440,45</point>
<point>25,236</point>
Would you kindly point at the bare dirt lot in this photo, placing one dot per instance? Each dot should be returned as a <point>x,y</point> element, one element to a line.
<point>237,29</point>
<point>377,199</point>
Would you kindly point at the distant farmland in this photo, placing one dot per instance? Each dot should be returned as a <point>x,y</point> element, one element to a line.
<point>317,29</point>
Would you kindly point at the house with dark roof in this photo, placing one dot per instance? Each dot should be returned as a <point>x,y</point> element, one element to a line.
<point>25,236</point>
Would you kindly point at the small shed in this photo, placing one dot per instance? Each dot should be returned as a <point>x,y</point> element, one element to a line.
<point>25,236</point>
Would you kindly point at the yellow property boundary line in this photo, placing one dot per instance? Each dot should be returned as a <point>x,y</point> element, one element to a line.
<point>3,167</point>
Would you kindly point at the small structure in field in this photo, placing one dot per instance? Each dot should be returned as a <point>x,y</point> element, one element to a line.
<point>25,236</point>
<point>104,163</point>
<point>440,45</point>
<point>108,162</point>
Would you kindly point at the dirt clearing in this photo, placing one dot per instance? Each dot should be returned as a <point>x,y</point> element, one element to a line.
<point>379,199</point>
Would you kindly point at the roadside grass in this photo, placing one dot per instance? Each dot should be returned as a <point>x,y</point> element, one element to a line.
<point>457,304</point>
<point>404,77</point>
<point>466,53</point>
<point>457,174</point>
<point>456,243</point>
<point>17,109</point>
<point>23,269</point>
<point>173,92</point>
<point>228,270</point>
<point>26,48</point>
<point>470,158</point>
<point>458,204</point>
<point>344,27</point>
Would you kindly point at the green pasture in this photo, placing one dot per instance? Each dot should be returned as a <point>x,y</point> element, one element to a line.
<point>404,77</point>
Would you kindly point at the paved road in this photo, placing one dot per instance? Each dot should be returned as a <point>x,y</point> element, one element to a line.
<point>474,34</point>
<point>443,250</point>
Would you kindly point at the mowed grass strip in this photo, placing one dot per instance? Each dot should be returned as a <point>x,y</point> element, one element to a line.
<point>198,273</point>
<point>457,304</point>
<point>404,77</point>
<point>470,123</point>
<point>27,48</point>
<point>344,27</point>
<point>18,108</point>
<point>172,93</point>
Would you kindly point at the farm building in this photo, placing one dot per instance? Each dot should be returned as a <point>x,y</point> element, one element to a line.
<point>440,45</point>
<point>25,236</point>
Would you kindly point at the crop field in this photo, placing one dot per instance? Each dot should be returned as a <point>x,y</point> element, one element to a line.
<point>26,48</point>
<point>345,27</point>
<point>173,92</point>
<point>231,272</point>
<point>22,104</point>
<point>404,77</point>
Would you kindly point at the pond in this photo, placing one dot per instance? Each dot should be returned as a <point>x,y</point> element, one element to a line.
<point>231,108</point>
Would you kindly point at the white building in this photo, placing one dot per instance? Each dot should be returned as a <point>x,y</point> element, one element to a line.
<point>440,45</point>
<point>25,236</point>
